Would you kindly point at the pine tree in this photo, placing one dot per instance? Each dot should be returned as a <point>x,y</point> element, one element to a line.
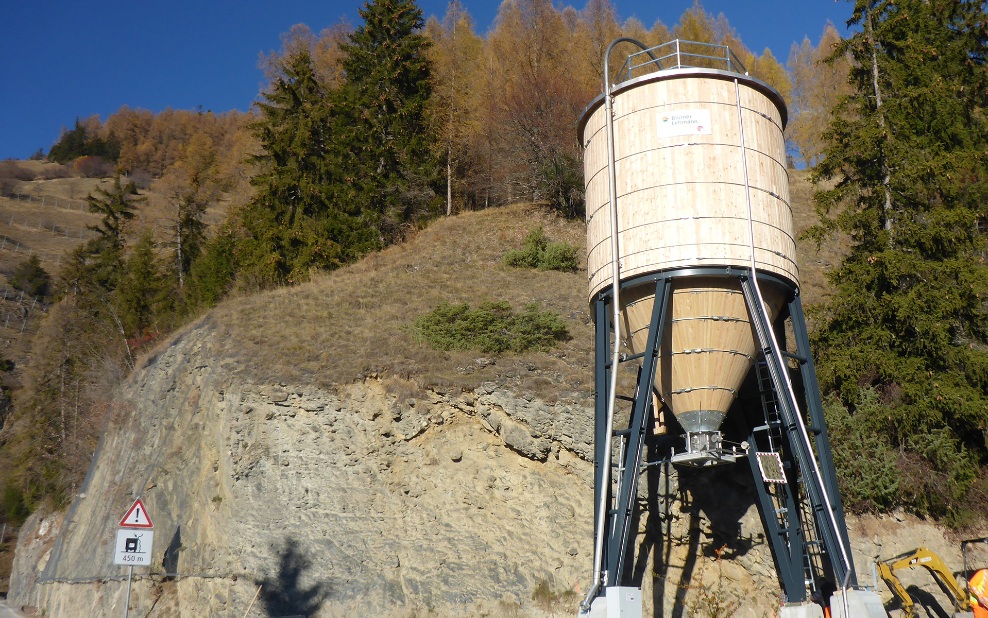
<point>384,147</point>
<point>907,153</point>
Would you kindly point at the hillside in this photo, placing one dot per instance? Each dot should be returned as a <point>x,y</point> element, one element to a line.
<point>354,324</point>
<point>43,218</point>
<point>302,443</point>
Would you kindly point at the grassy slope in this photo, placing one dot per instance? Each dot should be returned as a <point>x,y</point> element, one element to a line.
<point>357,321</point>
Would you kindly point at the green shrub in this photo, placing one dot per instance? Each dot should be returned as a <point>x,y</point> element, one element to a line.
<point>31,278</point>
<point>491,328</point>
<point>13,504</point>
<point>867,483</point>
<point>538,252</point>
<point>558,256</point>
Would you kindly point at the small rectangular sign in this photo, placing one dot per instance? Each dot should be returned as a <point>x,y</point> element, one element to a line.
<point>771,467</point>
<point>685,122</point>
<point>133,547</point>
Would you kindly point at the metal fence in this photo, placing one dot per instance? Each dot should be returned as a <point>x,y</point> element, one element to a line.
<point>50,200</point>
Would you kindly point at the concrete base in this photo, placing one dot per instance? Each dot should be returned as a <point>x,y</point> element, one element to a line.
<point>618,602</point>
<point>806,610</point>
<point>860,604</point>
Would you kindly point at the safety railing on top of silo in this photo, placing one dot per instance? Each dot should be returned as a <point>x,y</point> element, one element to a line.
<point>680,54</point>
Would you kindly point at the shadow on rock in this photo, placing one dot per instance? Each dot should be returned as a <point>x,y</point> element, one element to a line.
<point>284,594</point>
<point>170,560</point>
<point>926,604</point>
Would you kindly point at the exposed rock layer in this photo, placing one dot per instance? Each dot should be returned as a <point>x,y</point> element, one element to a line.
<point>364,502</point>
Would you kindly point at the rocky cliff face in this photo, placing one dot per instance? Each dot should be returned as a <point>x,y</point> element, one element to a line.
<point>376,500</point>
<point>352,502</point>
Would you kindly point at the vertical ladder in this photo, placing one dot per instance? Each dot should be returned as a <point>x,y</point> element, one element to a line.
<point>776,440</point>
<point>826,512</point>
<point>780,502</point>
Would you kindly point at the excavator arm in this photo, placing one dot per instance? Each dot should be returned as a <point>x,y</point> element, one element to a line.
<point>905,601</point>
<point>931,562</point>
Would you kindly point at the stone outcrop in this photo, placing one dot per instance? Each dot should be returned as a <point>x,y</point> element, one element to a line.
<point>366,500</point>
<point>334,503</point>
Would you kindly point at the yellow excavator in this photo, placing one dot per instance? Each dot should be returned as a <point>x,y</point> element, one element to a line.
<point>931,562</point>
<point>938,569</point>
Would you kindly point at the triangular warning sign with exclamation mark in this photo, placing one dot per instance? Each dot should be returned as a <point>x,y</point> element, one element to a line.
<point>136,517</point>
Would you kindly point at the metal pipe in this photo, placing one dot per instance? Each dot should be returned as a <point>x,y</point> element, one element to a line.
<point>774,343</point>
<point>616,310</point>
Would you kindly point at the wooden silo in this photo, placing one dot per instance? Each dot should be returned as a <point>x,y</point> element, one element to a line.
<point>701,181</point>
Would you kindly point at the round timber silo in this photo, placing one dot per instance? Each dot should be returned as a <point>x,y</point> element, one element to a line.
<point>700,183</point>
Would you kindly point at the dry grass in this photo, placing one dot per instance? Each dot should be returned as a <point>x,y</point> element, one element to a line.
<point>356,322</point>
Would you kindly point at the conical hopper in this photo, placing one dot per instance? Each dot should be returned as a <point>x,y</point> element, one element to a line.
<point>708,345</point>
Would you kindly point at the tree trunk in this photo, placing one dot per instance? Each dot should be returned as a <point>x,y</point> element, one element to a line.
<point>886,179</point>
<point>178,248</point>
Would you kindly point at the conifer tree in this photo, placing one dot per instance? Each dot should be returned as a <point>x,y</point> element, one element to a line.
<point>190,186</point>
<point>384,147</point>
<point>294,224</point>
<point>141,290</point>
<point>907,153</point>
<point>96,263</point>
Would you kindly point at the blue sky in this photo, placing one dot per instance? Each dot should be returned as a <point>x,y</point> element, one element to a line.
<point>62,59</point>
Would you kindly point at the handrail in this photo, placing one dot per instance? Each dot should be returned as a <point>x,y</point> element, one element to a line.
<point>682,54</point>
<point>616,323</point>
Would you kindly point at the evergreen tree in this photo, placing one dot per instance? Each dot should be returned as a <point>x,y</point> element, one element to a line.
<point>213,271</point>
<point>141,292</point>
<point>70,144</point>
<point>96,263</point>
<point>293,224</point>
<point>80,142</point>
<point>907,152</point>
<point>384,147</point>
<point>31,277</point>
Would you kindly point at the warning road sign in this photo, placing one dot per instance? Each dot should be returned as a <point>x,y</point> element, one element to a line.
<point>137,517</point>
<point>133,547</point>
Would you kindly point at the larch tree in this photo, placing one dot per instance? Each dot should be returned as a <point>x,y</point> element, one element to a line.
<point>189,186</point>
<point>457,56</point>
<point>538,104</point>
<point>817,85</point>
<point>906,158</point>
<point>598,26</point>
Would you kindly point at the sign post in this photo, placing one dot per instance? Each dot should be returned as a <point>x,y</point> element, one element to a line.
<point>134,540</point>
